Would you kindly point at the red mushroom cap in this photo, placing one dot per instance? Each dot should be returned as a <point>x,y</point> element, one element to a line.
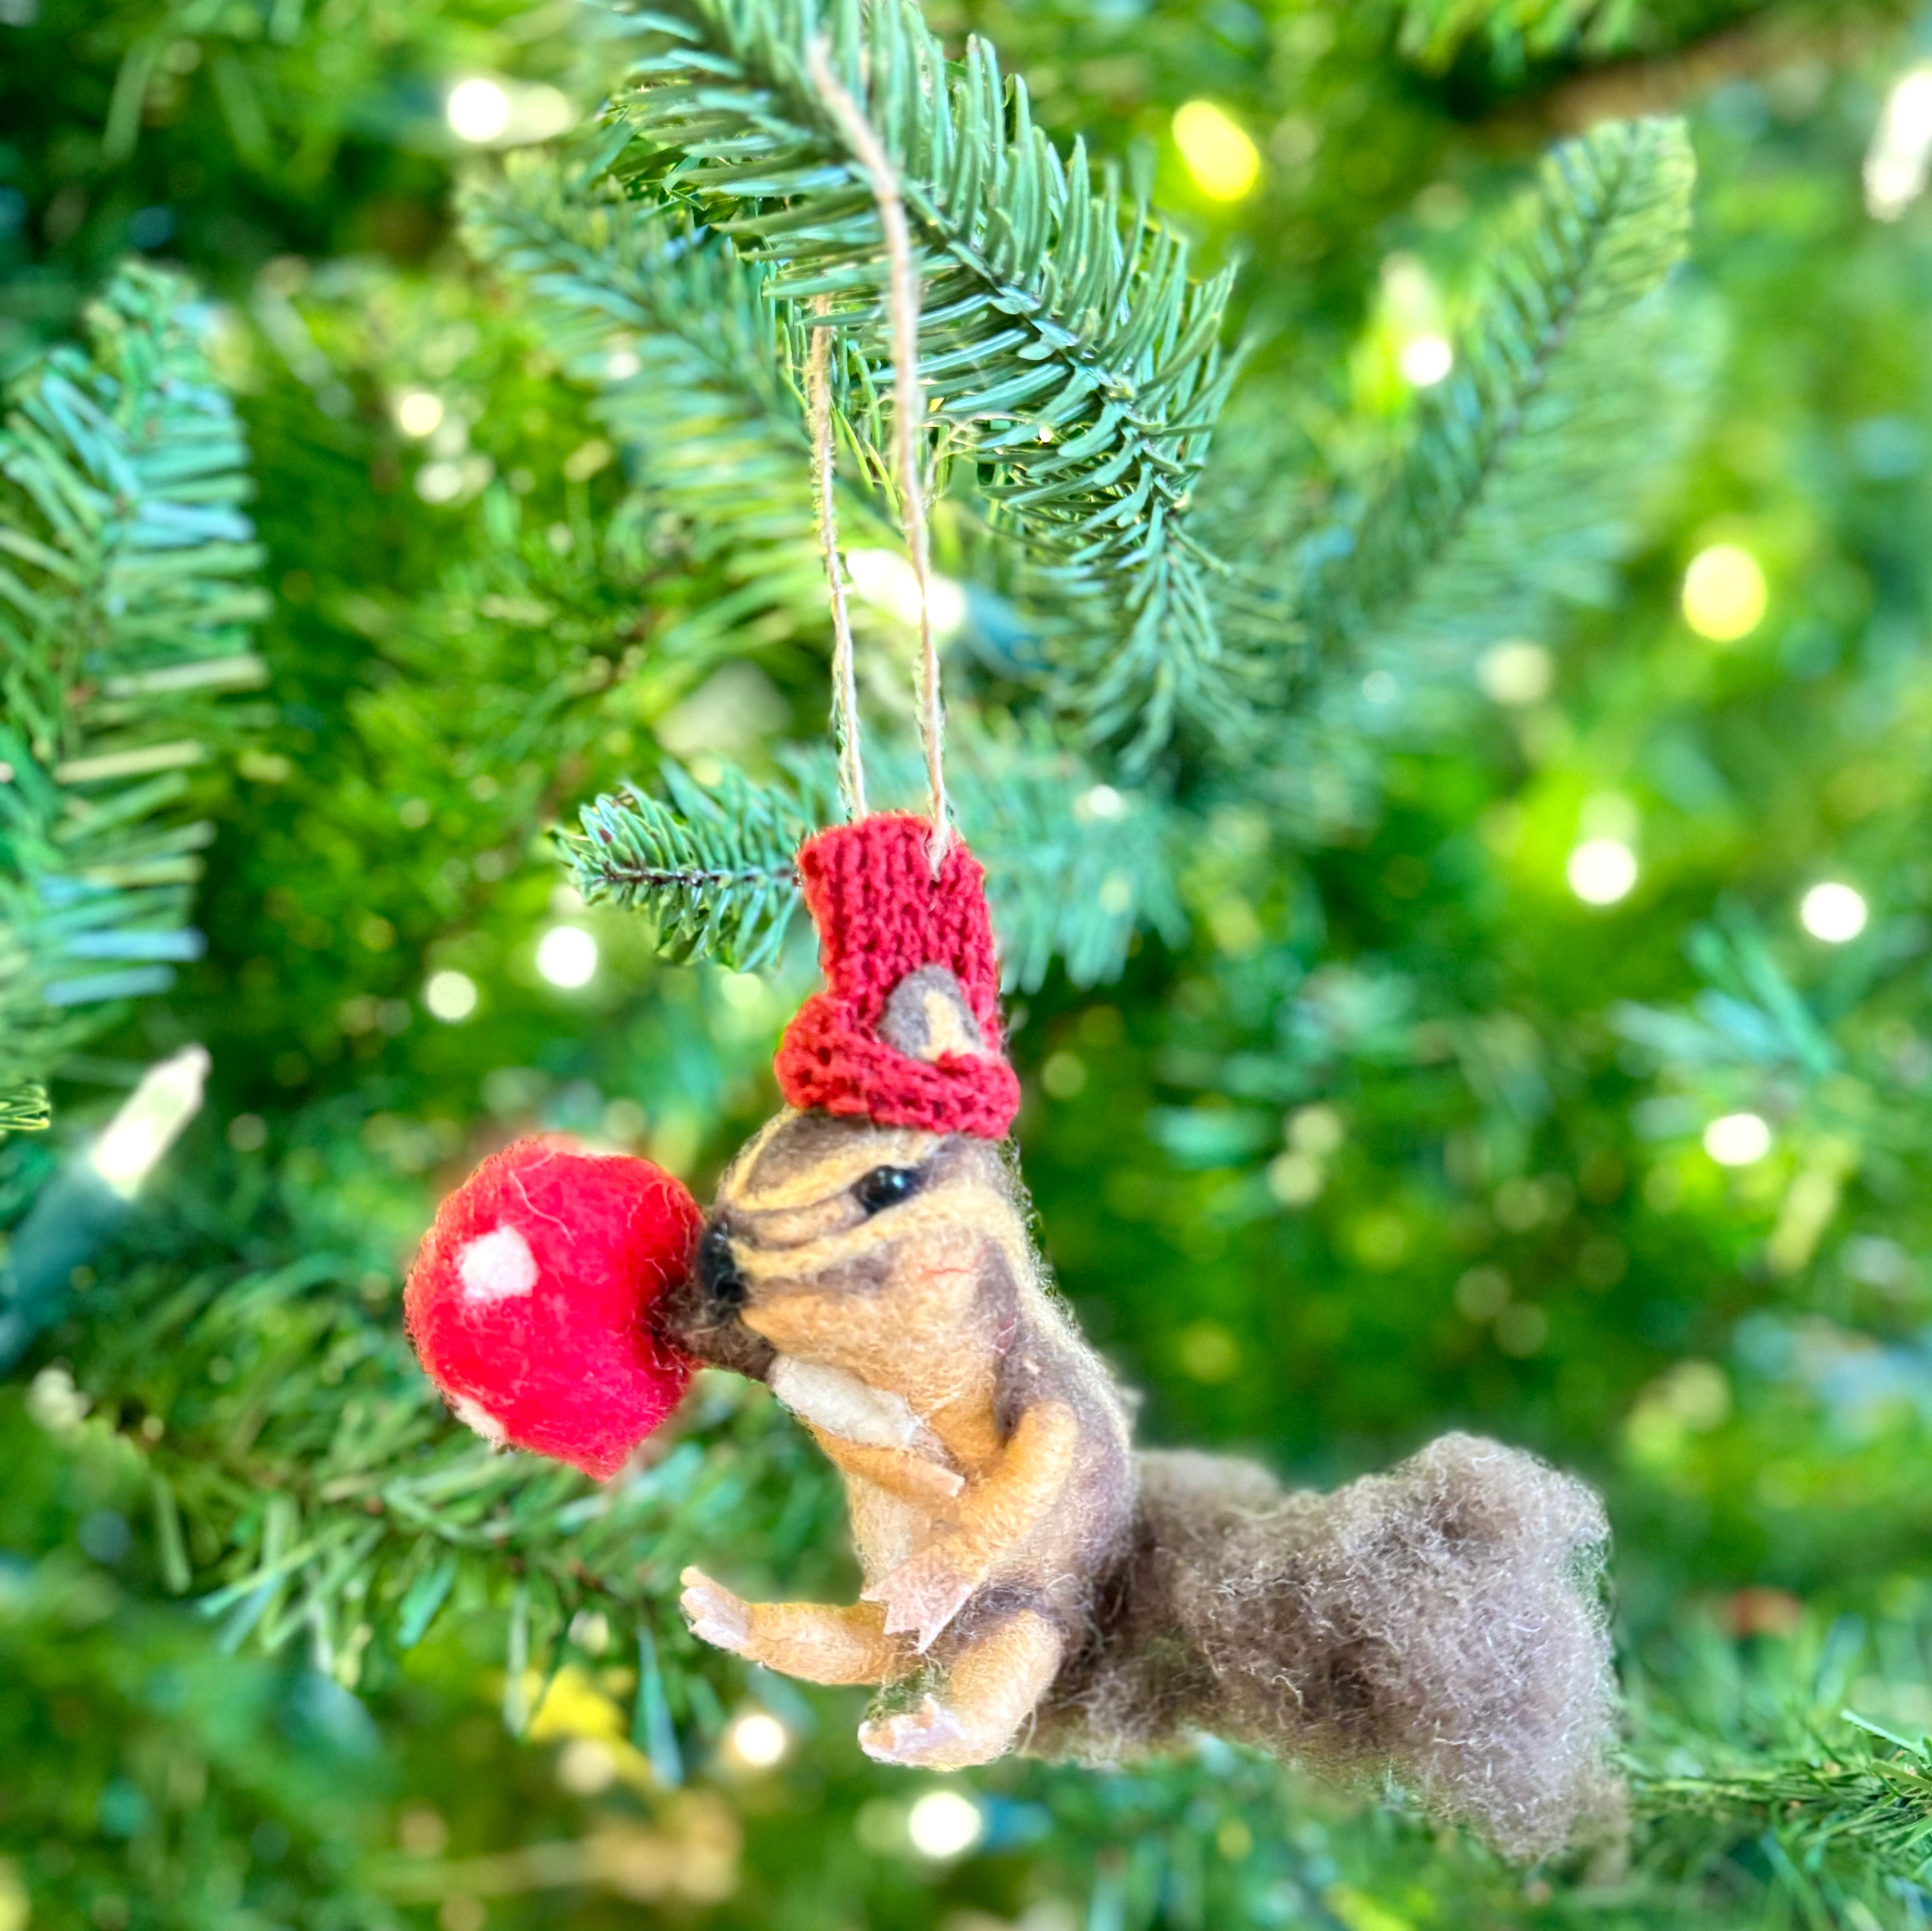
<point>529,1300</point>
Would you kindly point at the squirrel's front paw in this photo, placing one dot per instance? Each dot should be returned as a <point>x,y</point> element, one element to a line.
<point>929,1736</point>
<point>924,1594</point>
<point>715,1614</point>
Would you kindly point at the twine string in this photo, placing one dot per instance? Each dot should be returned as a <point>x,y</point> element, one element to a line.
<point>825,512</point>
<point>908,413</point>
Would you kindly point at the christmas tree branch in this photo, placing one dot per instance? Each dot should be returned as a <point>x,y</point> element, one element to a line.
<point>23,1106</point>
<point>311,1494</point>
<point>1432,33</point>
<point>124,608</point>
<point>1063,347</point>
<point>690,365</point>
<point>1075,867</point>
<point>1518,480</point>
<point>713,866</point>
<point>194,1754</point>
<point>1865,1798</point>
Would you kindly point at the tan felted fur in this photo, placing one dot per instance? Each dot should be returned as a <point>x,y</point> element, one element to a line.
<point>1029,1583</point>
<point>984,1445</point>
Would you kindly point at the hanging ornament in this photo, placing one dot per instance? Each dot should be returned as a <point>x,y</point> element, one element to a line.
<point>1031,1582</point>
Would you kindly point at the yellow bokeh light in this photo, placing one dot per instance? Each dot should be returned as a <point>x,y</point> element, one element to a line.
<point>756,1740</point>
<point>451,996</point>
<point>945,1824</point>
<point>1224,162</point>
<point>1602,870</point>
<point>418,412</point>
<point>1724,594</point>
<point>1737,1140</point>
<point>478,110</point>
<point>1425,360</point>
<point>1833,912</point>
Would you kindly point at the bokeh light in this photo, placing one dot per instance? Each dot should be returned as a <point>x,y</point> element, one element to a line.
<point>418,412</point>
<point>1425,360</point>
<point>1724,594</point>
<point>1317,1131</point>
<point>478,110</point>
<point>1516,671</point>
<point>150,1120</point>
<point>586,1765</point>
<point>1225,163</point>
<point>1737,1140</point>
<point>756,1740</point>
<point>1833,912</point>
<point>451,996</point>
<point>945,1824</point>
<point>567,956</point>
<point>886,580</point>
<point>1602,870</point>
<point>1901,147</point>
<point>1295,1179</point>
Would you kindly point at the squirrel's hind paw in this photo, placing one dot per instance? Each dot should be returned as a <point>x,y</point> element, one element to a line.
<point>929,1736</point>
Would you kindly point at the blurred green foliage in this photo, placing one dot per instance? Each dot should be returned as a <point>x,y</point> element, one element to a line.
<point>1380,1130</point>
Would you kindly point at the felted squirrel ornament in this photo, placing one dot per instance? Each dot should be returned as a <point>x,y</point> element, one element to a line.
<point>1030,1581</point>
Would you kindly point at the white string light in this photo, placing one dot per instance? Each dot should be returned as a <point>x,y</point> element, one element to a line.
<point>151,1120</point>
<point>451,996</point>
<point>489,111</point>
<point>478,110</point>
<point>1833,912</point>
<point>756,1740</point>
<point>567,956</point>
<point>945,1824</point>
<point>1737,1140</point>
<point>1602,870</point>
<point>1426,360</point>
<point>1900,152</point>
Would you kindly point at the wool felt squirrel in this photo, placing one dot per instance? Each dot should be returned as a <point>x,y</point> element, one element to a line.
<point>1030,1581</point>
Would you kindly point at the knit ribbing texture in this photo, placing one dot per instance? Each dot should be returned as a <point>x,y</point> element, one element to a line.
<point>880,915</point>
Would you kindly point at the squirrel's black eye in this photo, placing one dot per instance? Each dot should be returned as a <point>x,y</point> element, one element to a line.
<point>886,1187</point>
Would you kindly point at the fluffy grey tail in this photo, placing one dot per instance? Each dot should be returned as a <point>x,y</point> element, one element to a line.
<point>1443,1624</point>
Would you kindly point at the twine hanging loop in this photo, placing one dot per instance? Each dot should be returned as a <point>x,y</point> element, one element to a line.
<point>902,295</point>
<point>825,510</point>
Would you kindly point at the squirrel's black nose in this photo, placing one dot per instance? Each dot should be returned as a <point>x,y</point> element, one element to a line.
<point>717,1268</point>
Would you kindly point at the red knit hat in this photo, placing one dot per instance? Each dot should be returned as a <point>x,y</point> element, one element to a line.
<point>881,915</point>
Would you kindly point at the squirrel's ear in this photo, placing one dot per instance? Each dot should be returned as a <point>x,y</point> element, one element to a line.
<point>927,1018</point>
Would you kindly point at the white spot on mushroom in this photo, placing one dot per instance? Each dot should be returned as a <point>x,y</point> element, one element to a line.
<point>497,1265</point>
<point>474,1415</point>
